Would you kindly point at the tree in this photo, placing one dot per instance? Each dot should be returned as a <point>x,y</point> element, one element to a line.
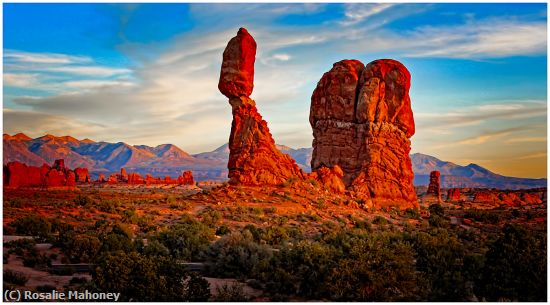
<point>237,255</point>
<point>186,240</point>
<point>515,266</point>
<point>141,278</point>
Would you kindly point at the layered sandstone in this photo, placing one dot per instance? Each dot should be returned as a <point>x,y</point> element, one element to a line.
<point>362,121</point>
<point>253,157</point>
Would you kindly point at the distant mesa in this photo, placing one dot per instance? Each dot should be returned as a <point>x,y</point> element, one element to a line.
<point>362,121</point>
<point>253,157</point>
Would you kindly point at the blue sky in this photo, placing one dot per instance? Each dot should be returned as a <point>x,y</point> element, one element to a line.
<point>147,73</point>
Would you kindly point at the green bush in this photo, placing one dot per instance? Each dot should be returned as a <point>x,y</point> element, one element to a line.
<point>515,267</point>
<point>436,209</point>
<point>33,226</point>
<point>186,240</point>
<point>142,278</point>
<point>237,255</point>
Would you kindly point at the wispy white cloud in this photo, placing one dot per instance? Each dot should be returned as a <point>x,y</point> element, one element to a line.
<point>22,80</point>
<point>43,58</point>
<point>90,70</point>
<point>357,12</point>
<point>493,38</point>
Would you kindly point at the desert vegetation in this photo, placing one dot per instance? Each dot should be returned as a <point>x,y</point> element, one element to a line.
<point>283,250</point>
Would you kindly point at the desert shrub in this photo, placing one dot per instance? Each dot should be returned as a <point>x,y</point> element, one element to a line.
<point>142,278</point>
<point>155,248</point>
<point>379,220</point>
<point>14,277</point>
<point>237,255</point>
<point>223,230</point>
<point>440,259</point>
<point>300,269</point>
<point>436,209</point>
<point>186,240</point>
<point>83,200</point>
<point>32,225</point>
<point>378,268</point>
<point>230,293</point>
<point>437,221</point>
<point>274,235</point>
<point>82,248</point>
<point>486,216</point>
<point>515,266</point>
<point>411,213</point>
<point>107,206</point>
<point>211,218</point>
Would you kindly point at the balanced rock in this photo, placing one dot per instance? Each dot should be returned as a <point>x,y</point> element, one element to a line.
<point>253,156</point>
<point>237,72</point>
<point>362,121</point>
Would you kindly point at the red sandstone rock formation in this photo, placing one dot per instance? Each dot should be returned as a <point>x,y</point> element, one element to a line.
<point>331,178</point>
<point>82,175</point>
<point>59,164</point>
<point>433,187</point>
<point>453,195</point>
<point>134,178</point>
<point>485,197</point>
<point>186,178</point>
<point>253,157</point>
<point>17,174</point>
<point>509,198</point>
<point>55,178</point>
<point>113,179</point>
<point>237,72</point>
<point>101,178</point>
<point>531,198</point>
<point>123,175</point>
<point>362,121</point>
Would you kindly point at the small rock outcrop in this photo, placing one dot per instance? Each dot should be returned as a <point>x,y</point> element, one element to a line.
<point>186,178</point>
<point>453,195</point>
<point>253,156</point>
<point>82,175</point>
<point>433,187</point>
<point>331,178</point>
<point>362,121</point>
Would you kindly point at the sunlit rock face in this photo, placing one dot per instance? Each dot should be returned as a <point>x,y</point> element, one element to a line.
<point>253,157</point>
<point>362,122</point>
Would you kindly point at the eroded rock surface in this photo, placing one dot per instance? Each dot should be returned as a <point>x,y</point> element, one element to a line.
<point>253,157</point>
<point>362,121</point>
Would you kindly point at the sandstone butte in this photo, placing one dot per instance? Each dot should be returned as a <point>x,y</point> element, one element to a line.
<point>253,157</point>
<point>362,121</point>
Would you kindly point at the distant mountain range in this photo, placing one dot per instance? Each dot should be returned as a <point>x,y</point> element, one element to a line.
<point>170,160</point>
